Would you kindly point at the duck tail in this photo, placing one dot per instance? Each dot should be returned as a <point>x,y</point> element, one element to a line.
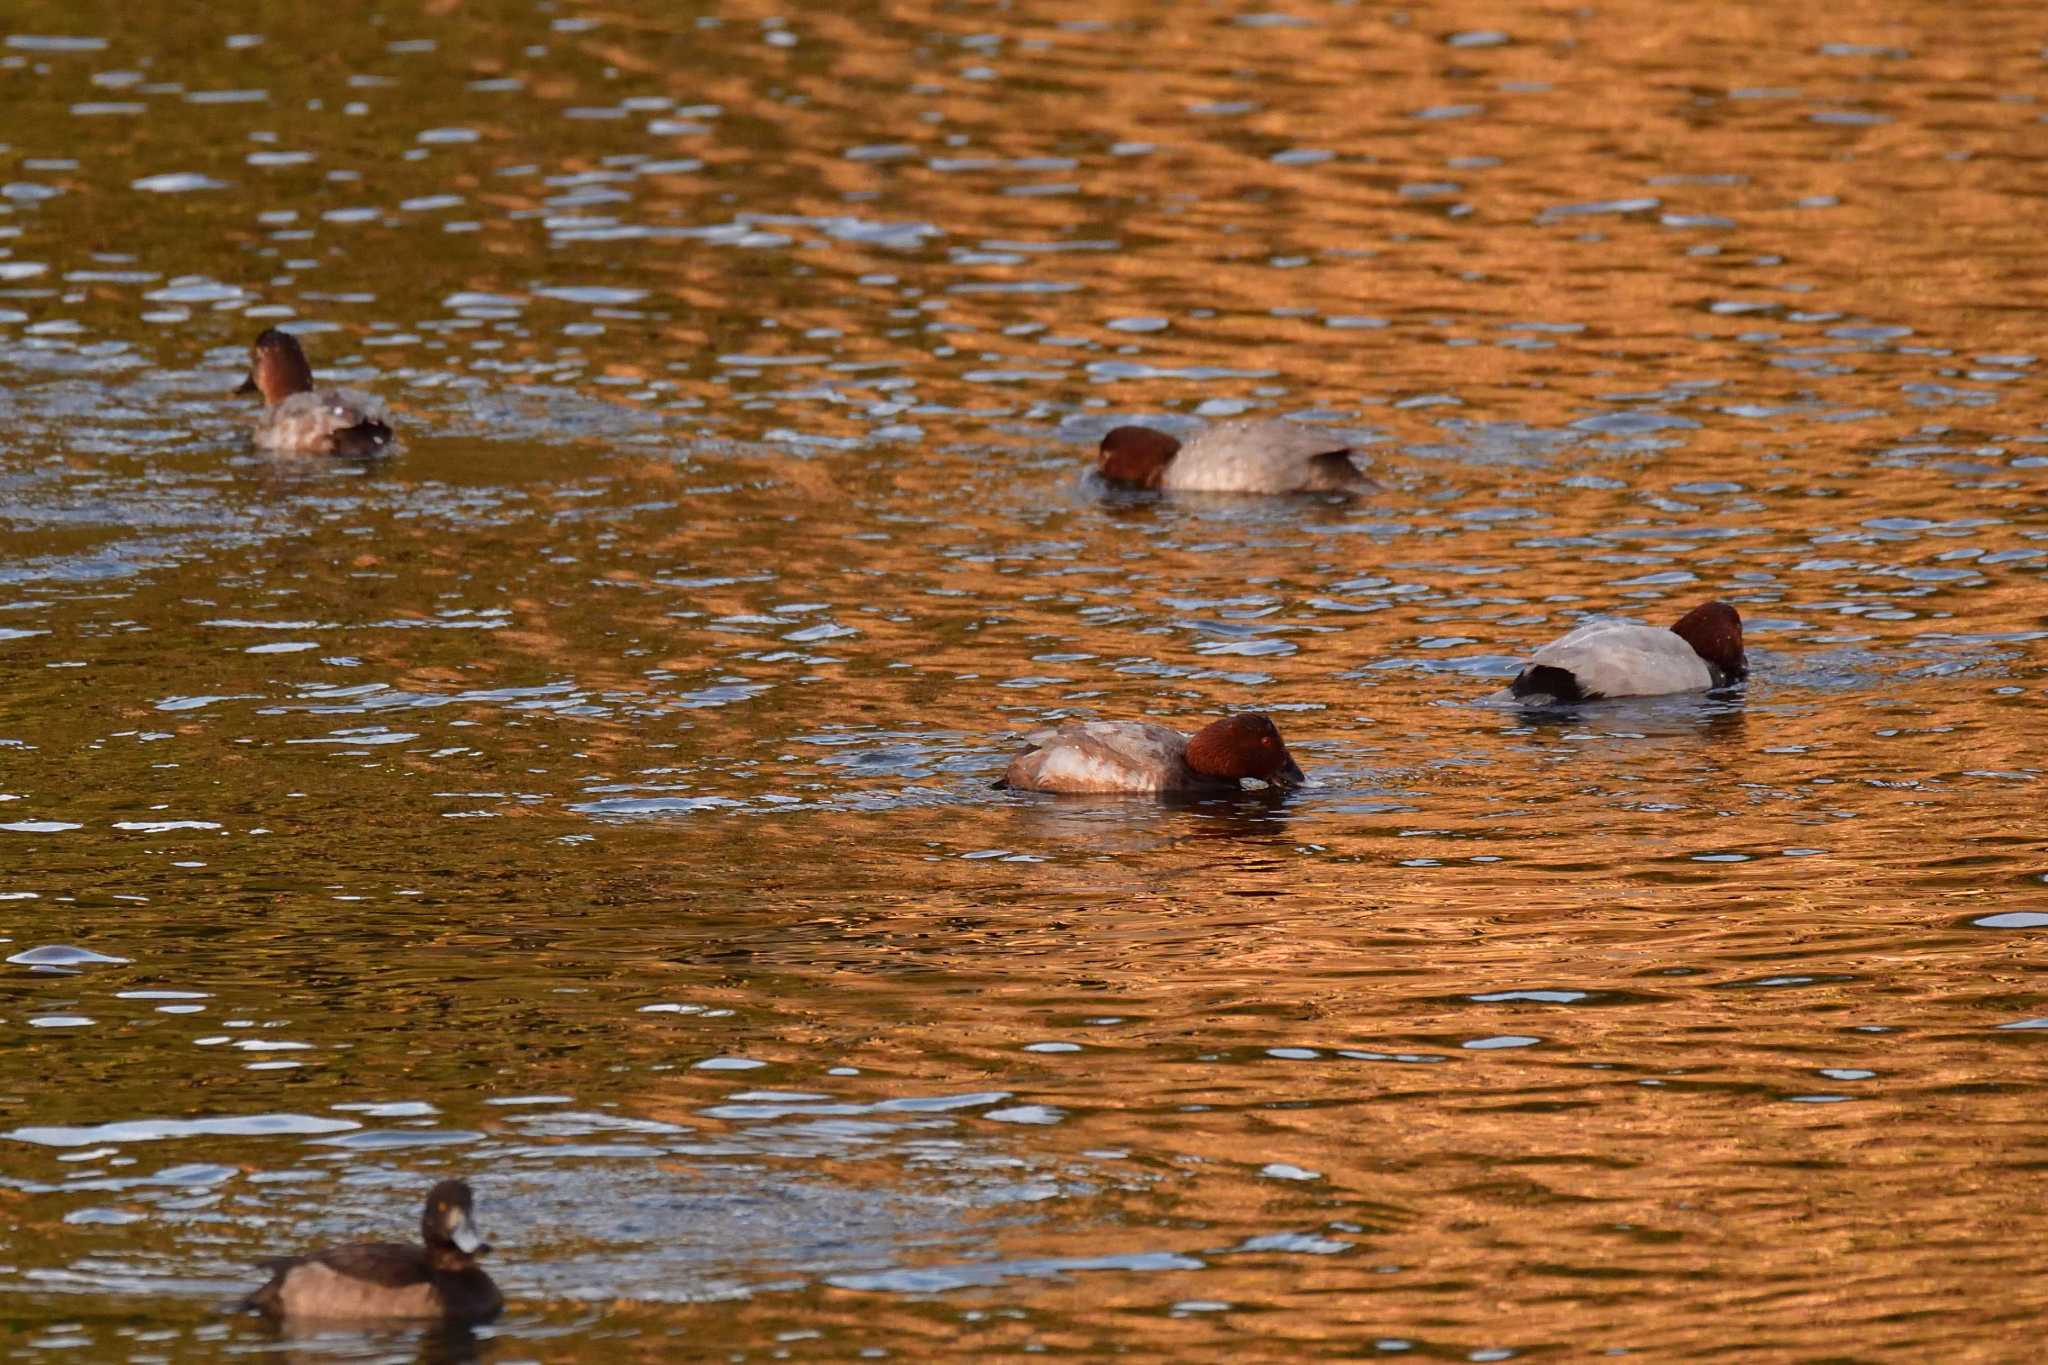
<point>1335,473</point>
<point>269,1298</point>
<point>262,1301</point>
<point>362,440</point>
<point>1547,680</point>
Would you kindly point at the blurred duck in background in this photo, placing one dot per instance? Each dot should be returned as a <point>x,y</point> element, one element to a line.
<point>298,417</point>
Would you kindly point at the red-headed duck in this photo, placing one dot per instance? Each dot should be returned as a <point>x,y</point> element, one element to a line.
<point>439,1279</point>
<point>1250,455</point>
<point>298,417</point>
<point>1604,658</point>
<point>1134,756</point>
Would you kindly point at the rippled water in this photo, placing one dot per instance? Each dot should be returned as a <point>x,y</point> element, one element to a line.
<point>595,799</point>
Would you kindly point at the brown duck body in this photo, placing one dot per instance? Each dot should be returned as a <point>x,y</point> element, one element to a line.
<point>436,1280</point>
<point>377,1280</point>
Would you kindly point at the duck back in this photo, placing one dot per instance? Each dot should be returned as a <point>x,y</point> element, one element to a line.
<point>326,421</point>
<point>1614,659</point>
<point>1103,757</point>
<point>1260,455</point>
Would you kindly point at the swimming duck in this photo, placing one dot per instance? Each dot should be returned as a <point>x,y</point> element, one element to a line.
<point>1249,455</point>
<point>1604,658</point>
<point>1107,756</point>
<point>301,418</point>
<point>439,1279</point>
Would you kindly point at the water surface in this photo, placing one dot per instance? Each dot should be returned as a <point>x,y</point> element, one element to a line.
<point>596,798</point>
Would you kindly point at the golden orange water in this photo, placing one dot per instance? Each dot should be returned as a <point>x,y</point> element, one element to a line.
<point>595,800</point>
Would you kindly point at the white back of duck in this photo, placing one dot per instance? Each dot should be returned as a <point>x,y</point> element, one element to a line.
<point>1260,455</point>
<point>1625,659</point>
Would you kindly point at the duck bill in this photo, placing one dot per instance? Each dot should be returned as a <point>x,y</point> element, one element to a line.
<point>248,385</point>
<point>464,1235</point>
<point>1289,774</point>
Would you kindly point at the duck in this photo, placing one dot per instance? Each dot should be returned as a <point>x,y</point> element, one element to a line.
<point>302,419</point>
<point>1248,455</point>
<point>1607,658</point>
<point>1106,757</point>
<point>439,1279</point>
